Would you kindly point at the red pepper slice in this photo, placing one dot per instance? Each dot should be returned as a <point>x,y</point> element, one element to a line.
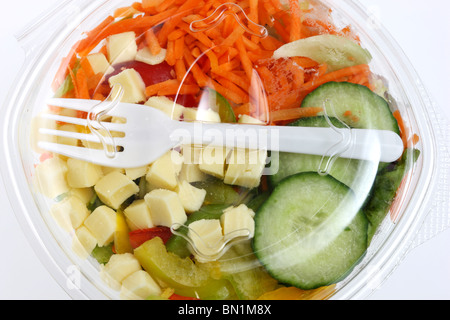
<point>138,237</point>
<point>177,297</point>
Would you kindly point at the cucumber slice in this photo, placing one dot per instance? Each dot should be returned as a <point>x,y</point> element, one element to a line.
<point>310,232</point>
<point>221,105</point>
<point>336,51</point>
<point>354,104</point>
<point>218,192</point>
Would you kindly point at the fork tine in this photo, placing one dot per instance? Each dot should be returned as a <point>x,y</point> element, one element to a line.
<point>76,135</point>
<point>75,104</point>
<point>82,122</point>
<point>81,153</point>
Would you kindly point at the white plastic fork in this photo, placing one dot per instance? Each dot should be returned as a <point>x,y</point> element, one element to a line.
<point>148,133</point>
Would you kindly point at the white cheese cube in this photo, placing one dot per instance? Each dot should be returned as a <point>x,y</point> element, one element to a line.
<point>119,267</point>
<point>84,194</point>
<point>102,224</point>
<point>191,173</point>
<point>50,177</point>
<point>163,173</point>
<point>207,238</point>
<point>70,213</point>
<point>135,173</point>
<point>82,174</point>
<point>245,168</point>
<point>164,104</point>
<point>208,115</point>
<point>192,153</point>
<point>83,242</point>
<point>138,215</point>
<point>108,170</point>
<point>37,123</point>
<point>130,81</point>
<point>213,161</point>
<point>114,188</point>
<point>245,119</point>
<point>238,222</point>
<point>166,208</point>
<point>139,286</point>
<point>144,55</point>
<point>191,197</point>
<point>99,63</point>
<point>121,47</point>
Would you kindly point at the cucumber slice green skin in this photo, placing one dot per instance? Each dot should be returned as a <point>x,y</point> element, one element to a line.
<point>336,51</point>
<point>309,233</point>
<point>222,107</point>
<point>368,110</point>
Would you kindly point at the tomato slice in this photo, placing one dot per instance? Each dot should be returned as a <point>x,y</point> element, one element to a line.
<point>139,237</point>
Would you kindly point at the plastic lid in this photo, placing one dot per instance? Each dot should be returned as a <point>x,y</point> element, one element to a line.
<point>229,213</point>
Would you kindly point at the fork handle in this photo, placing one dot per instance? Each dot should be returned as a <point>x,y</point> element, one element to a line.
<point>361,144</point>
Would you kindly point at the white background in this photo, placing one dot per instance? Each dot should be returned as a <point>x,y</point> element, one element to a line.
<point>422,28</point>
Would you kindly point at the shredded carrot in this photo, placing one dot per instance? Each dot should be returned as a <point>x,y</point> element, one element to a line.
<point>294,114</point>
<point>180,70</point>
<point>170,54</point>
<point>152,42</point>
<point>245,60</point>
<point>402,127</point>
<point>178,48</point>
<point>296,21</point>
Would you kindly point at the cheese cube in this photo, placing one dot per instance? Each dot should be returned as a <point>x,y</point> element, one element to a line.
<point>245,119</point>
<point>83,242</point>
<point>144,55</point>
<point>119,267</point>
<point>135,173</point>
<point>207,238</point>
<point>208,115</point>
<point>82,174</point>
<point>191,173</point>
<point>138,215</point>
<point>163,173</point>
<point>164,104</point>
<point>108,170</point>
<point>213,161</point>
<point>84,194</point>
<point>190,114</point>
<point>66,140</point>
<point>130,81</point>
<point>166,208</point>
<point>102,224</point>
<point>50,177</point>
<point>99,63</point>
<point>238,222</point>
<point>191,197</point>
<point>37,123</point>
<point>245,168</point>
<point>114,188</point>
<point>121,47</point>
<point>139,286</point>
<point>192,153</point>
<point>70,213</point>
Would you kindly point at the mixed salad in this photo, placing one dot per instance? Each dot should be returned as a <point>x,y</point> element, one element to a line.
<point>185,227</point>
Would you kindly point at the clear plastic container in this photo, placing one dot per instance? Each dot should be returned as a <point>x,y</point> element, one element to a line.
<point>50,39</point>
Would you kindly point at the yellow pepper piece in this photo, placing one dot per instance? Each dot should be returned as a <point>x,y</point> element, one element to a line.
<point>121,235</point>
<point>292,293</point>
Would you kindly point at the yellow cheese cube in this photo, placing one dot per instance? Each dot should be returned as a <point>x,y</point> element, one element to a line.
<point>139,286</point>
<point>66,140</point>
<point>245,167</point>
<point>246,119</point>
<point>163,173</point>
<point>191,173</point>
<point>82,174</point>
<point>99,63</point>
<point>135,173</point>
<point>190,114</point>
<point>83,242</point>
<point>213,161</point>
<point>144,55</point>
<point>119,267</point>
<point>207,115</point>
<point>164,104</point>
<point>191,197</point>
<point>114,188</point>
<point>84,194</point>
<point>207,238</point>
<point>108,170</point>
<point>166,208</point>
<point>37,123</point>
<point>50,177</point>
<point>138,215</point>
<point>130,81</point>
<point>70,213</point>
<point>238,222</point>
<point>192,153</point>
<point>102,224</point>
<point>121,47</point>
